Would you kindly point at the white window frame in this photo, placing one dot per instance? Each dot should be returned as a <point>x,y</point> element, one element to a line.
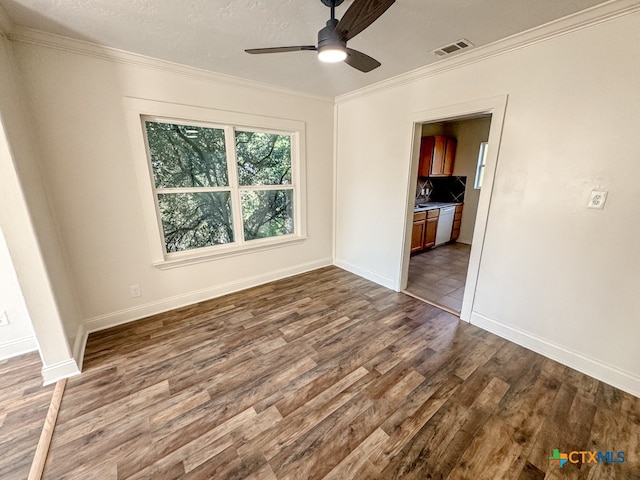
<point>141,110</point>
<point>482,160</point>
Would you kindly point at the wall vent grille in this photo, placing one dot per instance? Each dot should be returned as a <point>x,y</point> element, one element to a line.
<point>453,47</point>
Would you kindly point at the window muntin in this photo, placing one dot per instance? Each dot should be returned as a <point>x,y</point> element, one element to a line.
<point>216,185</point>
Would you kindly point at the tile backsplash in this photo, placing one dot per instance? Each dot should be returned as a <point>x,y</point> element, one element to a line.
<point>441,189</point>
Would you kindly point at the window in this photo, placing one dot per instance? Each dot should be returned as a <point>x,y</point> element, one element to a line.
<point>482,160</point>
<point>199,185</point>
<point>217,188</point>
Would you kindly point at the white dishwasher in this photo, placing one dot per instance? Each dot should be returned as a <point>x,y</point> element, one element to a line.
<point>445,224</point>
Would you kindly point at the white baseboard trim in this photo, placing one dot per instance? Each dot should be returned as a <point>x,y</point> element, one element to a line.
<point>364,273</point>
<point>130,314</point>
<point>617,377</point>
<point>17,347</point>
<point>58,371</point>
<point>79,345</point>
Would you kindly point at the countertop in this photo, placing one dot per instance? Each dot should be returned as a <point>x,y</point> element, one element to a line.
<point>423,207</point>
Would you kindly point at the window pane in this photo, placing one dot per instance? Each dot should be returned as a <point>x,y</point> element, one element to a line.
<point>480,177</point>
<point>195,220</point>
<point>482,160</point>
<point>187,156</point>
<point>263,158</point>
<point>267,213</point>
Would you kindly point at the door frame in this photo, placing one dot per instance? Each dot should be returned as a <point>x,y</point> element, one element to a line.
<point>496,107</point>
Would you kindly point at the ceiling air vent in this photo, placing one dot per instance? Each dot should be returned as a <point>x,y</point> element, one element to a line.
<point>453,47</point>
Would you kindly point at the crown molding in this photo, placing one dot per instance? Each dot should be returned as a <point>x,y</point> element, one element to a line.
<point>6,25</point>
<point>592,16</point>
<point>94,50</point>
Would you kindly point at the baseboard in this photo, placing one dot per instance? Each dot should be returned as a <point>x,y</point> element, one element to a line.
<point>79,345</point>
<point>619,378</point>
<point>364,273</point>
<point>58,371</point>
<point>153,308</point>
<point>17,347</point>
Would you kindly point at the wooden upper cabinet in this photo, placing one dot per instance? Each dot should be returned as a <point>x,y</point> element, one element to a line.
<point>437,155</point>
<point>449,156</point>
<point>426,156</point>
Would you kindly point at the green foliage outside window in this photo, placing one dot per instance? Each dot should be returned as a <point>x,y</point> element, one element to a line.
<point>183,156</point>
<point>263,158</point>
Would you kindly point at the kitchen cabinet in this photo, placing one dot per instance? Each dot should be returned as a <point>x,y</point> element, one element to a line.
<point>418,231</point>
<point>430,228</point>
<point>437,156</point>
<point>457,221</point>
<point>423,234</point>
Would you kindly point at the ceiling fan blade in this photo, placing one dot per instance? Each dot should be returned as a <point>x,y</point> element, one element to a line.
<point>281,49</point>
<point>360,61</point>
<point>360,15</point>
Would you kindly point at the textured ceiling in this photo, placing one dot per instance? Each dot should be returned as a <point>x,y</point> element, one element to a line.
<point>212,34</point>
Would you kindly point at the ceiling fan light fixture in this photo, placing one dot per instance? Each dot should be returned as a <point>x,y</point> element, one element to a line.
<point>332,54</point>
<point>333,38</point>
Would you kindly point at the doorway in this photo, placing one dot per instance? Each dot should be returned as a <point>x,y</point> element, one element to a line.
<point>467,248</point>
<point>437,273</point>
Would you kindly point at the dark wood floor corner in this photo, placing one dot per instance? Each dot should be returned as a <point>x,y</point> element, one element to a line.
<point>326,375</point>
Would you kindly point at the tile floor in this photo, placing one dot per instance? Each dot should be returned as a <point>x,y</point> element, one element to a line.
<point>438,275</point>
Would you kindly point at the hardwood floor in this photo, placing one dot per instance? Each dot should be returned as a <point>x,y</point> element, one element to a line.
<point>23,407</point>
<point>327,375</point>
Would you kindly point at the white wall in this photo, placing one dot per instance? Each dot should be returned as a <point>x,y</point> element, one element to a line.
<point>76,101</point>
<point>29,230</point>
<point>16,337</point>
<point>554,275</point>
<point>470,133</point>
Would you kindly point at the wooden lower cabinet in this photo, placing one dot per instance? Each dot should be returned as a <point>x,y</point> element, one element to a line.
<point>418,231</point>
<point>430,230</point>
<point>457,221</point>
<point>423,234</point>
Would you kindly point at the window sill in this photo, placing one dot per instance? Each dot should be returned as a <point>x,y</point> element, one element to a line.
<point>215,253</point>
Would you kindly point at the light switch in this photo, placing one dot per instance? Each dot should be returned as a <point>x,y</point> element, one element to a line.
<point>597,199</point>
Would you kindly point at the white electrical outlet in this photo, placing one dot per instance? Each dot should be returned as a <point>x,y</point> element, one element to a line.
<point>135,290</point>
<point>597,199</point>
<point>4,319</point>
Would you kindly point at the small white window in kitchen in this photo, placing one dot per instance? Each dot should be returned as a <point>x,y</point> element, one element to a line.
<point>482,159</point>
<point>220,187</point>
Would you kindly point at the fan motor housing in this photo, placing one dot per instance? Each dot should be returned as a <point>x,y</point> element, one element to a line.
<point>332,3</point>
<point>328,37</point>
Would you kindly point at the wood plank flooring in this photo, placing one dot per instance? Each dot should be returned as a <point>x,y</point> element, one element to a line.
<point>329,376</point>
<point>23,407</point>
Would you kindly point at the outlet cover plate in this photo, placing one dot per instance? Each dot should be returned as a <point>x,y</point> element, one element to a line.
<point>597,199</point>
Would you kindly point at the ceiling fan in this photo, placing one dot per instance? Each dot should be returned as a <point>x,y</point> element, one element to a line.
<point>332,39</point>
